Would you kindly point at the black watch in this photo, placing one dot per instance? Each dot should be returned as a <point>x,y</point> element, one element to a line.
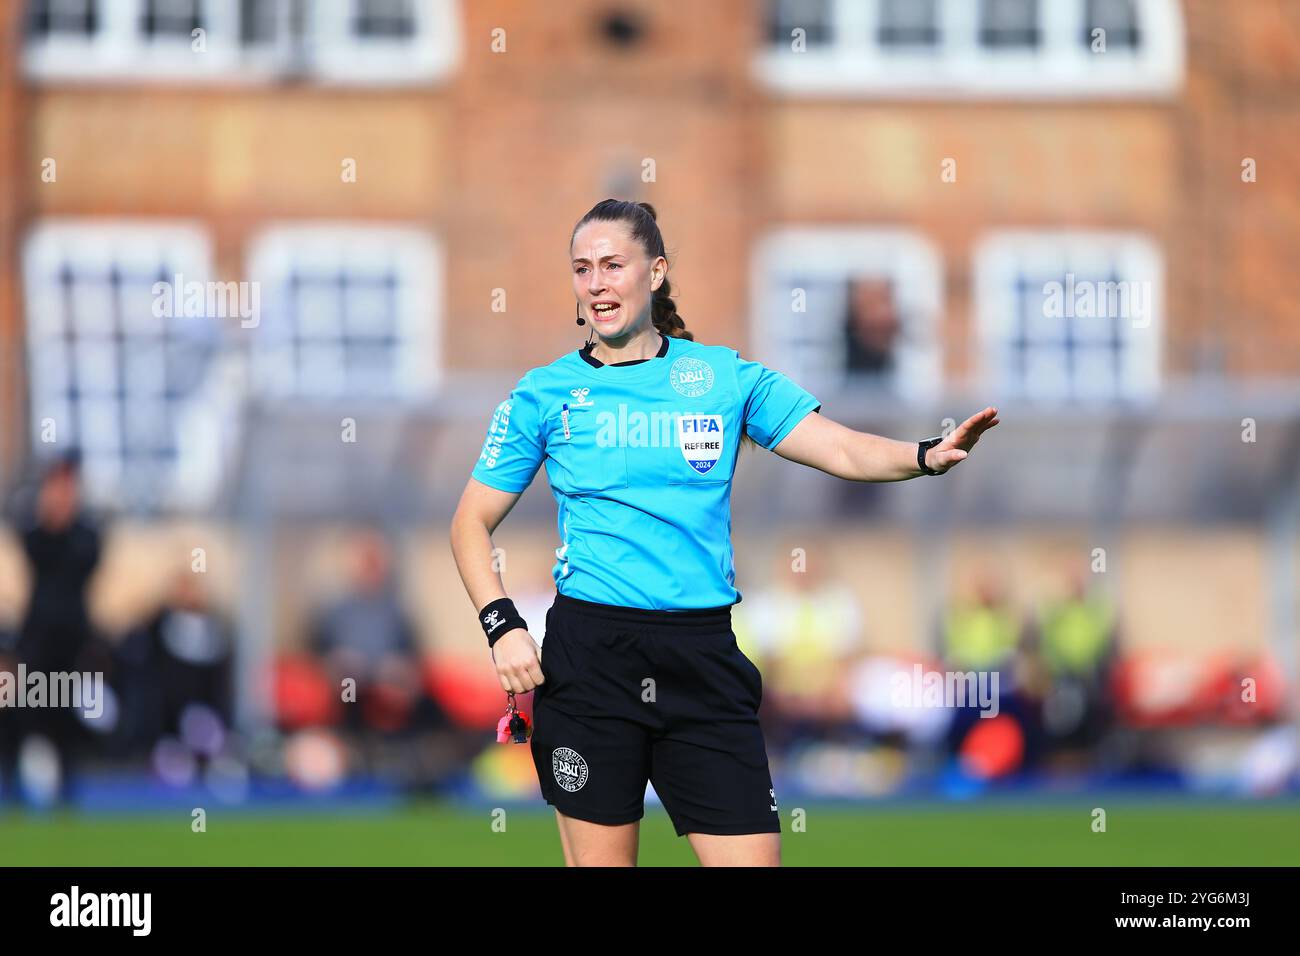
<point>921,448</point>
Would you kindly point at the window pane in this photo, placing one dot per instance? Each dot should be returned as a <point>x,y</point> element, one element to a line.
<point>170,18</point>
<point>91,302</point>
<point>1044,374</point>
<point>320,368</point>
<point>908,23</point>
<point>96,368</point>
<point>386,19</point>
<point>317,304</point>
<point>46,17</point>
<point>369,367</point>
<point>1118,18</point>
<point>1009,23</point>
<point>370,306</point>
<point>187,358</point>
<point>100,426</point>
<point>1042,308</point>
<point>257,21</point>
<point>1094,373</point>
<point>148,428</point>
<point>813,16</point>
<point>146,369</point>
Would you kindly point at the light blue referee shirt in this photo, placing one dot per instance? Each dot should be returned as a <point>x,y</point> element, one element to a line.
<point>640,458</point>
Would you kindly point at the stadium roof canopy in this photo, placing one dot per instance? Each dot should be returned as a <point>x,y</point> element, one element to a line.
<point>1188,456</point>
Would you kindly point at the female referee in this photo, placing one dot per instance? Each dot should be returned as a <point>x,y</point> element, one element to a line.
<point>641,678</point>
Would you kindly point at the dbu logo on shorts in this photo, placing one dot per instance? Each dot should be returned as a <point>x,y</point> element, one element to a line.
<point>569,768</point>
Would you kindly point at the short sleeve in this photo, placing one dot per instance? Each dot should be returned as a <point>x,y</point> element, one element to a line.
<point>514,448</point>
<point>773,403</point>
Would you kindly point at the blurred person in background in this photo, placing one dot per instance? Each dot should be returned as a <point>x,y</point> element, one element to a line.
<point>804,631</point>
<point>62,547</point>
<point>366,635</point>
<point>871,328</point>
<point>983,633</point>
<point>175,671</point>
<point>1076,639</point>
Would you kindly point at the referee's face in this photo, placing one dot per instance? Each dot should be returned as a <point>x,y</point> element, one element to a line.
<point>611,270</point>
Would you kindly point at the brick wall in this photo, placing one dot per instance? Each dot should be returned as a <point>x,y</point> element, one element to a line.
<point>502,158</point>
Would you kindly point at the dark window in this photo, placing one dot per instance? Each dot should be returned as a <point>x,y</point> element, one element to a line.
<point>171,18</point>
<point>908,23</point>
<point>1009,23</point>
<point>384,19</point>
<point>1118,18</point>
<point>871,326</point>
<point>257,21</point>
<point>47,17</point>
<point>813,16</point>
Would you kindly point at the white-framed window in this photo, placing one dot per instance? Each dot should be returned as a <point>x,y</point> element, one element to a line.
<point>115,370</point>
<point>838,306</point>
<point>1067,316</point>
<point>329,41</point>
<point>377,41</point>
<point>131,39</point>
<point>347,311</point>
<point>973,48</point>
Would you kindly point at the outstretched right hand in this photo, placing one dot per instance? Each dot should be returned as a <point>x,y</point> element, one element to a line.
<point>519,663</point>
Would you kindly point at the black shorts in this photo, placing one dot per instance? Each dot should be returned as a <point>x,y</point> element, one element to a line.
<point>666,696</point>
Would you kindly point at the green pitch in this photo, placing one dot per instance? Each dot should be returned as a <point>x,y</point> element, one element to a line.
<point>431,834</point>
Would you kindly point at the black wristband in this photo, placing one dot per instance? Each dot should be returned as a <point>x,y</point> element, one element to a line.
<point>921,448</point>
<point>500,618</point>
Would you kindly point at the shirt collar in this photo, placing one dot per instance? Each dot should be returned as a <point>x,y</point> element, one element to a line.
<point>597,363</point>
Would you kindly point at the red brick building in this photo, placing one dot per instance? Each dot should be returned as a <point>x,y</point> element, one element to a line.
<point>941,144</point>
<point>872,196</point>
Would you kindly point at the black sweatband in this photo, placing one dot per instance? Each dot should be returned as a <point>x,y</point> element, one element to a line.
<point>500,618</point>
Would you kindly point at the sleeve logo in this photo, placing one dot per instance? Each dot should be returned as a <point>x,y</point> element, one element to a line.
<point>496,435</point>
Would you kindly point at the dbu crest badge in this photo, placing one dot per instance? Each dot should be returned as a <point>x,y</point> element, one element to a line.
<point>691,377</point>
<point>569,768</point>
<point>701,440</point>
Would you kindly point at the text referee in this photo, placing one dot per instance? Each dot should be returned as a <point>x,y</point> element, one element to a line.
<point>641,679</point>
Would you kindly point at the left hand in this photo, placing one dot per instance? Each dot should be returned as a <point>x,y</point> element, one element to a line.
<point>958,444</point>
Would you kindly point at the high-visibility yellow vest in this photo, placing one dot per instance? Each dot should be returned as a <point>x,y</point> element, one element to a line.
<point>1075,635</point>
<point>978,637</point>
